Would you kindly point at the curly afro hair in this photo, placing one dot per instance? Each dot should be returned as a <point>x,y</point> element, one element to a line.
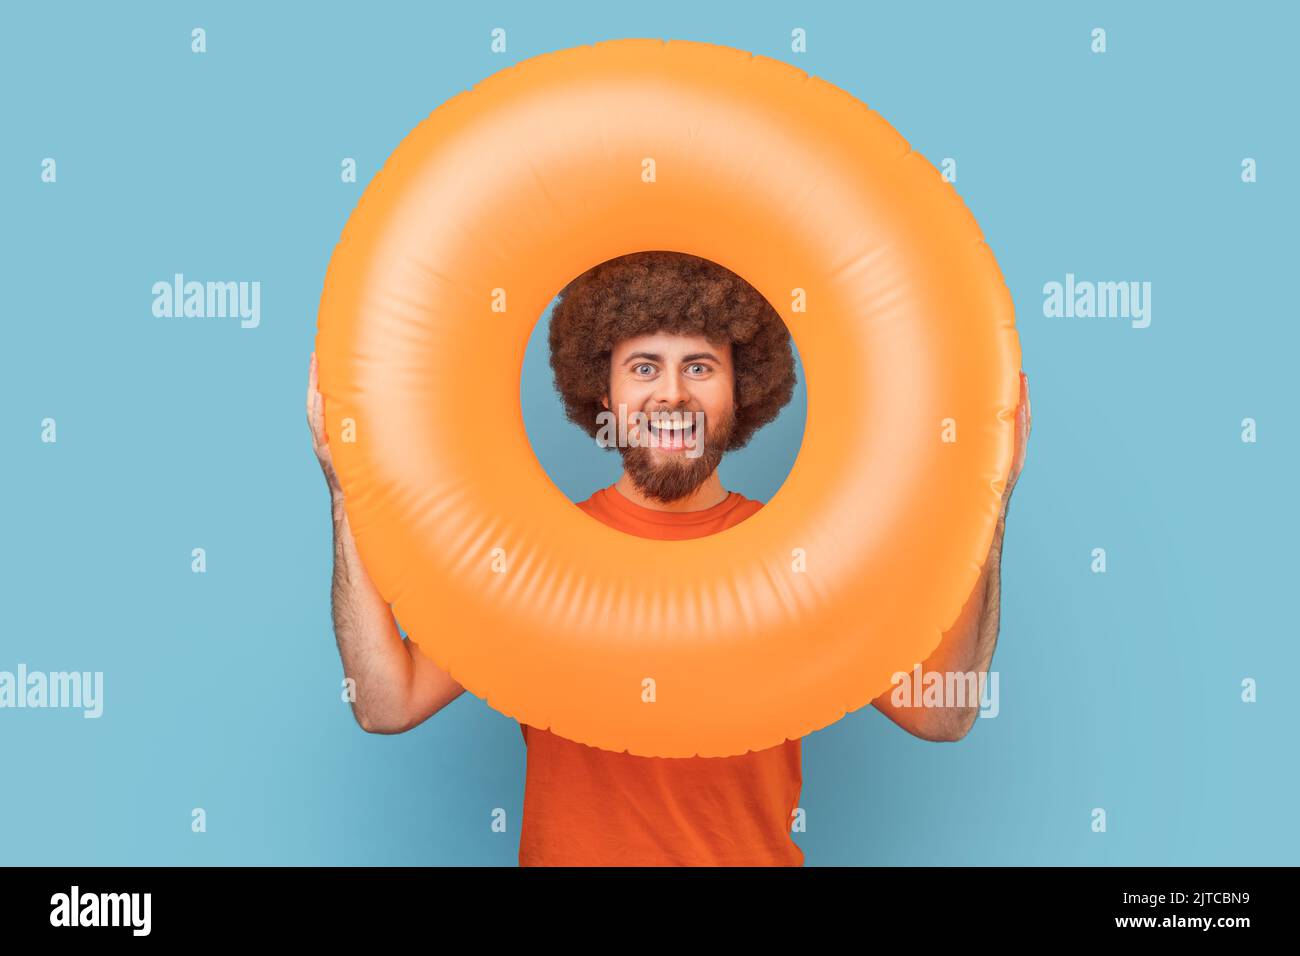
<point>648,292</point>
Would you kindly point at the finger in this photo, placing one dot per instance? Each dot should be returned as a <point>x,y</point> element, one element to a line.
<point>311,383</point>
<point>1029,408</point>
<point>1022,411</point>
<point>313,409</point>
<point>315,401</point>
<point>318,419</point>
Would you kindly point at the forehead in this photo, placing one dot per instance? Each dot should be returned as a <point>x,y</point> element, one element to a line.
<point>671,345</point>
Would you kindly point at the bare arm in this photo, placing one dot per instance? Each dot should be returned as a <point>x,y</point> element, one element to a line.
<point>397,686</point>
<point>967,648</point>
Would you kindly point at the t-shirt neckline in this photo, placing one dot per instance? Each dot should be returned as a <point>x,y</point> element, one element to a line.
<point>620,502</point>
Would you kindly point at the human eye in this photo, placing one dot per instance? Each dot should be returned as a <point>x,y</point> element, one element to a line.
<point>703,368</point>
<point>649,369</point>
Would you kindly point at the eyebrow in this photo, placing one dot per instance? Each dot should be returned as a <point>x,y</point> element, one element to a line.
<point>654,357</point>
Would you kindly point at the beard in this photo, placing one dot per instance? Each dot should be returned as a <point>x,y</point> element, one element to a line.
<point>673,477</point>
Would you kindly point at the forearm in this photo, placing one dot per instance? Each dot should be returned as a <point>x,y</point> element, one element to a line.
<point>986,636</point>
<point>374,655</point>
<point>966,648</point>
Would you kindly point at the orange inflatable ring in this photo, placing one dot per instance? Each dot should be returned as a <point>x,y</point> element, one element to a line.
<point>853,570</point>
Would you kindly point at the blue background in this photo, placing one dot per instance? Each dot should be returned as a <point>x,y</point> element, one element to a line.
<point>1118,690</point>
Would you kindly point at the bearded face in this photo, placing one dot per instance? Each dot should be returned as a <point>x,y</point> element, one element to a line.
<point>667,473</point>
<point>673,396</point>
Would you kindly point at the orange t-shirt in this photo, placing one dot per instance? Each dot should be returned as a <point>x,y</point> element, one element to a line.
<point>589,807</point>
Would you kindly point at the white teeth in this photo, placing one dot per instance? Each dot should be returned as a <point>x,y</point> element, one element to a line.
<point>673,425</point>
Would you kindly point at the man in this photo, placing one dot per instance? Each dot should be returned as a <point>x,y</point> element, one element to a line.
<point>690,361</point>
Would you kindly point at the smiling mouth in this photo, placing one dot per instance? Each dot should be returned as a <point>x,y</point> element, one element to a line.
<point>672,432</point>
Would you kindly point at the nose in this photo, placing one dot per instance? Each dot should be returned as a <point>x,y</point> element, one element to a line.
<point>672,390</point>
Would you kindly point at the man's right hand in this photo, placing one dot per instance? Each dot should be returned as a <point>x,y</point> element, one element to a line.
<point>319,441</point>
<point>397,686</point>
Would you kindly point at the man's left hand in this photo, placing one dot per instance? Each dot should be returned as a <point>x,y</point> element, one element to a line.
<point>1024,420</point>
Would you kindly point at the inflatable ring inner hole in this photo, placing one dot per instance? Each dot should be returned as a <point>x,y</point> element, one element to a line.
<point>579,463</point>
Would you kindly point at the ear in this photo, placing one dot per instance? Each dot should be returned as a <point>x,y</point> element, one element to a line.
<point>604,400</point>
